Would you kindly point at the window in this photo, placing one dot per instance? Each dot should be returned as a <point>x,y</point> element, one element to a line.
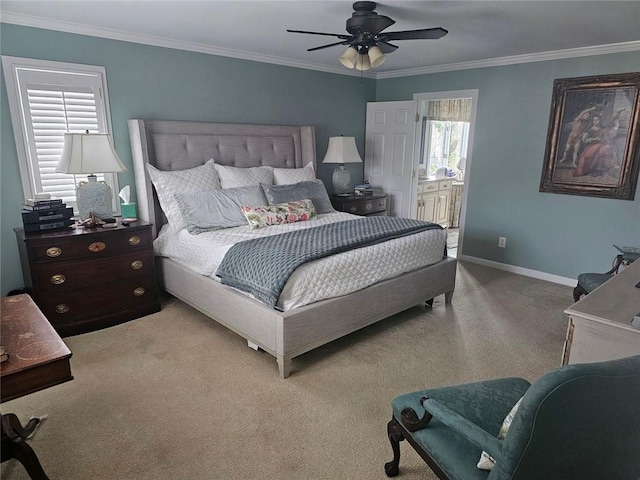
<point>445,134</point>
<point>447,142</point>
<point>47,100</point>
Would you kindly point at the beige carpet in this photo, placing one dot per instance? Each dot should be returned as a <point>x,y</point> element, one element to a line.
<point>174,395</point>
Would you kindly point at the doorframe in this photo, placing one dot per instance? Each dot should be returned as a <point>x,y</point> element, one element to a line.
<point>449,94</point>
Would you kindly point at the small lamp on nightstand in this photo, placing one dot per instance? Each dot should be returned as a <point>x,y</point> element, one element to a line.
<point>342,150</point>
<point>88,153</point>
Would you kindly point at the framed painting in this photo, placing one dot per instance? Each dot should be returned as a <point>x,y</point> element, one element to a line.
<point>593,140</point>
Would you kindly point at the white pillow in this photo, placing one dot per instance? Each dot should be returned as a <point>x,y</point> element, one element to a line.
<point>234,177</point>
<point>168,183</point>
<point>486,461</point>
<point>287,176</point>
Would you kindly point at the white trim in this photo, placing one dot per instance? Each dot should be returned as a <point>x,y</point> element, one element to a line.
<point>570,282</point>
<point>10,65</point>
<point>38,22</point>
<point>473,95</point>
<point>516,59</point>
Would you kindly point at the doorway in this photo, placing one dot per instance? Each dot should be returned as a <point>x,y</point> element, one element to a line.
<point>442,153</point>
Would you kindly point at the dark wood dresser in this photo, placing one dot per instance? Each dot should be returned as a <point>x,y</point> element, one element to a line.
<point>88,279</point>
<point>375,204</point>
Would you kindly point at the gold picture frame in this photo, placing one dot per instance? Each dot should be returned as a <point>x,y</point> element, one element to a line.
<point>593,140</point>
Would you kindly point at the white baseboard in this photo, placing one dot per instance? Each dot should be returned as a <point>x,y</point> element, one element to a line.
<point>571,282</point>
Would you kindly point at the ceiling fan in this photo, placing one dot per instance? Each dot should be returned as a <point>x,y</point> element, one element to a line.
<point>367,42</point>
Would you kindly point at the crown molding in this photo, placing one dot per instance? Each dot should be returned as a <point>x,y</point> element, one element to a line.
<point>67,27</point>
<point>513,60</point>
<point>38,22</point>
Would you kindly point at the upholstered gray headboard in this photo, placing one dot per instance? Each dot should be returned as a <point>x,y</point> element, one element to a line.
<point>171,145</point>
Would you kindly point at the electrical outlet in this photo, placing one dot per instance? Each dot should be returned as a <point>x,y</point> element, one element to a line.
<point>502,242</point>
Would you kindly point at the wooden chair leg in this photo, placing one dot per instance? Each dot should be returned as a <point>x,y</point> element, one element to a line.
<point>395,437</point>
<point>578,292</point>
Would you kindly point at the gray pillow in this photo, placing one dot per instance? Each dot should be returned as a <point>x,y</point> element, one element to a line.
<point>216,209</point>
<point>298,191</point>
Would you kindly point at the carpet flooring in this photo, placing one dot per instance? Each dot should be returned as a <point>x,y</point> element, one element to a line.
<point>175,395</point>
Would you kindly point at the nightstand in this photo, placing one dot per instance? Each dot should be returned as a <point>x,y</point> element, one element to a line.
<point>88,279</point>
<point>366,205</point>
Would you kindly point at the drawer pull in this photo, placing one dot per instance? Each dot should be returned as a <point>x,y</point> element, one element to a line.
<point>96,247</point>
<point>62,308</point>
<point>137,264</point>
<point>138,292</point>
<point>368,206</point>
<point>58,278</point>
<point>54,252</point>
<point>135,240</point>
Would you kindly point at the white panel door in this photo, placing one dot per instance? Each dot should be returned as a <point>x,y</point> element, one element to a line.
<point>389,160</point>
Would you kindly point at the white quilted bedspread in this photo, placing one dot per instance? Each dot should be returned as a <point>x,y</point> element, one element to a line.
<point>318,280</point>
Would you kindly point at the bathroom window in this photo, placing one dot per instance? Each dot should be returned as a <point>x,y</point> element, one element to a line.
<point>445,134</point>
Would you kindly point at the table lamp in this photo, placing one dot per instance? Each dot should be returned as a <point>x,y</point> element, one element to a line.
<point>342,150</point>
<point>88,153</point>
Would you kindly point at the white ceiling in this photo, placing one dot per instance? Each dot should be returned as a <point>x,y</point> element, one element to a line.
<point>480,32</point>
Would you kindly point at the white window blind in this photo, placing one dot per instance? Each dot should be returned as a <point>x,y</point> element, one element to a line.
<point>47,100</point>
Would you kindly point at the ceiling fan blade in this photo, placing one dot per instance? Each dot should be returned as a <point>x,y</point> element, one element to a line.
<point>386,47</point>
<point>378,23</point>
<point>345,42</point>
<point>345,37</point>
<point>424,34</point>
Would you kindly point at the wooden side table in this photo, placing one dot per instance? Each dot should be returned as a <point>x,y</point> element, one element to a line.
<point>87,279</point>
<point>38,359</point>
<point>364,205</point>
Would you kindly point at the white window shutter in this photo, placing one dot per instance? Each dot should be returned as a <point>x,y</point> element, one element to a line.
<point>47,100</point>
<point>52,112</point>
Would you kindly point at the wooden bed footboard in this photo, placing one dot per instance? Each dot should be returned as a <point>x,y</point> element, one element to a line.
<point>286,335</point>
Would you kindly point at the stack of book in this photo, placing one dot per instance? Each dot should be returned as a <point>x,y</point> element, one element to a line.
<point>48,214</point>
<point>363,189</point>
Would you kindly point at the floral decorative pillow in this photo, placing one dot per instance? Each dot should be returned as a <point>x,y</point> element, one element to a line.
<point>290,212</point>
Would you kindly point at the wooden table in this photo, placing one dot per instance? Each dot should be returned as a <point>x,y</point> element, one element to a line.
<point>38,359</point>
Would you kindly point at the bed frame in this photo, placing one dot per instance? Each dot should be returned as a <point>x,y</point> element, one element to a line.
<point>172,145</point>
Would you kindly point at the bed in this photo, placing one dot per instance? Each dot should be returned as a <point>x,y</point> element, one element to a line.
<point>288,333</point>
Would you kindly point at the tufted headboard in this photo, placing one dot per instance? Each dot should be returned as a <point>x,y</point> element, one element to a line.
<point>172,145</point>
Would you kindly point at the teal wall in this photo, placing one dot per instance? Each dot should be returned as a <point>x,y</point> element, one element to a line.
<point>557,234</point>
<point>160,83</point>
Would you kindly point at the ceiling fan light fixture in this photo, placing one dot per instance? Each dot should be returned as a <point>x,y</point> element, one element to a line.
<point>364,63</point>
<point>376,57</point>
<point>349,57</point>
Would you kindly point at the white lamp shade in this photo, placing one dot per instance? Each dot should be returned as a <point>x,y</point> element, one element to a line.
<point>349,57</point>
<point>89,153</point>
<point>364,63</point>
<point>376,57</point>
<point>342,150</point>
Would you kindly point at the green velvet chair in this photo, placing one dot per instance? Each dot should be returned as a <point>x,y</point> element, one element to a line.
<point>588,282</point>
<point>578,422</point>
